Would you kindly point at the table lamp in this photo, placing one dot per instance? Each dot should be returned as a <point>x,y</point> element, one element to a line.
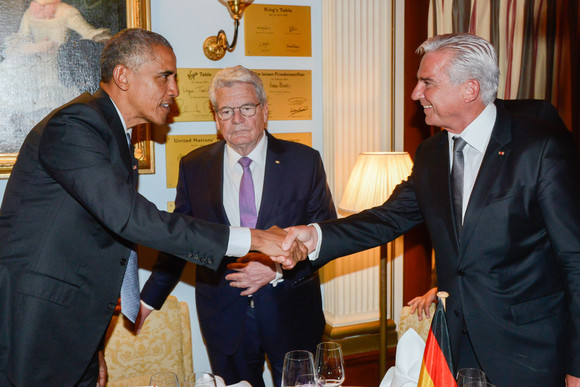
<point>372,180</point>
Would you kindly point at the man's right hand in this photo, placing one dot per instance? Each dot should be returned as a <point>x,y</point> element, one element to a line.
<point>303,235</point>
<point>269,242</point>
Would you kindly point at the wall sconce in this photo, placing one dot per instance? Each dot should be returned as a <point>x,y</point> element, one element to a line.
<point>215,47</point>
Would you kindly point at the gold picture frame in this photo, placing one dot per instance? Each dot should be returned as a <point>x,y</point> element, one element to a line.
<point>138,14</point>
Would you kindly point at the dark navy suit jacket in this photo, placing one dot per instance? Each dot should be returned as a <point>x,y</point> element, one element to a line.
<point>513,276</point>
<point>295,192</point>
<point>69,218</point>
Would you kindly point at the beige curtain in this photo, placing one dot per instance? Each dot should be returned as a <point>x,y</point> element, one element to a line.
<point>537,42</point>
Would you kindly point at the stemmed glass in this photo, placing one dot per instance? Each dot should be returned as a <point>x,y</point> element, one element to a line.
<point>329,364</point>
<point>164,379</point>
<point>470,375</point>
<point>297,364</point>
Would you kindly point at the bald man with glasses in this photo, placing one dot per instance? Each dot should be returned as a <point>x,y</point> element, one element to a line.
<point>249,308</point>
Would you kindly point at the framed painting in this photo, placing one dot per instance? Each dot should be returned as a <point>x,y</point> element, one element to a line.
<point>49,54</point>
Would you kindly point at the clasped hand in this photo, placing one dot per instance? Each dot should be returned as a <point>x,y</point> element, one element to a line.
<point>288,246</point>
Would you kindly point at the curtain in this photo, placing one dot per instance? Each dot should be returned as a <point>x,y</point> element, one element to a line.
<point>537,41</point>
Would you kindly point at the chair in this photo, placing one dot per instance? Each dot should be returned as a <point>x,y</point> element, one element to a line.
<point>409,320</point>
<point>164,344</point>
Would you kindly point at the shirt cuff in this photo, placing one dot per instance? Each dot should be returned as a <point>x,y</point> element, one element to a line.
<point>313,256</point>
<point>239,242</point>
<point>147,305</point>
<point>279,276</point>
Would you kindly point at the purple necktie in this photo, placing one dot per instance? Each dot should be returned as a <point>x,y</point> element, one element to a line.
<point>248,213</point>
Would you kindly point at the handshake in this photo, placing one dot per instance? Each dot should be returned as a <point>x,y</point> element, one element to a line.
<point>285,246</point>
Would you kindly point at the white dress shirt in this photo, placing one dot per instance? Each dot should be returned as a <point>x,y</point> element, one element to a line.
<point>476,135</point>
<point>233,172</point>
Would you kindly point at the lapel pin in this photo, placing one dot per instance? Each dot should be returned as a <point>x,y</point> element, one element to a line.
<point>501,153</point>
<point>134,167</point>
<point>277,161</point>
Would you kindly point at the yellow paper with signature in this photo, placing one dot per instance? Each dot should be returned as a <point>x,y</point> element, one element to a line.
<point>289,94</point>
<point>277,30</point>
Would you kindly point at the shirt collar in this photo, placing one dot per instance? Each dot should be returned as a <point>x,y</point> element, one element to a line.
<point>478,132</point>
<point>258,154</point>
<point>128,130</point>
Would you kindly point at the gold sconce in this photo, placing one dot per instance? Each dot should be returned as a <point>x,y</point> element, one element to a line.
<point>215,47</point>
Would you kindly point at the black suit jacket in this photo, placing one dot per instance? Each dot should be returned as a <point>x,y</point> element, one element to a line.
<point>69,217</point>
<point>295,192</point>
<point>514,278</point>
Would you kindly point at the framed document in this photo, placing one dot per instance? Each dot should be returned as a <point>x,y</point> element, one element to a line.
<point>277,30</point>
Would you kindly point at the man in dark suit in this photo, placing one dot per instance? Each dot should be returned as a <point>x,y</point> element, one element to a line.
<point>280,314</point>
<point>71,215</point>
<point>506,236</point>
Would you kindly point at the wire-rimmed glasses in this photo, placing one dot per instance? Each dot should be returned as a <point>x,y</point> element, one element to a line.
<point>247,110</point>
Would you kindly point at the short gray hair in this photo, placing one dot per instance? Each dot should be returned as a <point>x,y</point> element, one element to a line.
<point>130,47</point>
<point>232,75</point>
<point>473,58</point>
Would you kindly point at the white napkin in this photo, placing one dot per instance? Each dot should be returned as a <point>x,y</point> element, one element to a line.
<point>220,383</point>
<point>408,360</point>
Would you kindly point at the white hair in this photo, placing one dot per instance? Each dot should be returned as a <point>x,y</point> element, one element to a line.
<point>473,58</point>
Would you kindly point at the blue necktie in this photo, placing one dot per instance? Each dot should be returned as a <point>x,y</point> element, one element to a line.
<point>130,296</point>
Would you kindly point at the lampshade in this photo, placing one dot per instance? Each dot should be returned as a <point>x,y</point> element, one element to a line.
<point>373,179</point>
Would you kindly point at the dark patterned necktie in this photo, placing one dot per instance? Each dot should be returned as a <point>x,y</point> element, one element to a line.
<point>130,297</point>
<point>457,182</point>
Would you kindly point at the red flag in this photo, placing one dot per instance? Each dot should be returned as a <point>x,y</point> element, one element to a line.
<point>437,366</point>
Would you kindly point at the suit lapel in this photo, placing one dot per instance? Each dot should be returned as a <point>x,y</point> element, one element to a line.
<point>127,153</point>
<point>440,183</point>
<point>271,180</point>
<point>215,177</point>
<point>495,156</point>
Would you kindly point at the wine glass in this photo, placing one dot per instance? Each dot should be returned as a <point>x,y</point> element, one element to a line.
<point>468,375</point>
<point>306,380</point>
<point>164,379</point>
<point>200,379</point>
<point>297,364</point>
<point>329,364</point>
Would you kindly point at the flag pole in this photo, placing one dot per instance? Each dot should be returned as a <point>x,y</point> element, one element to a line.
<point>442,297</point>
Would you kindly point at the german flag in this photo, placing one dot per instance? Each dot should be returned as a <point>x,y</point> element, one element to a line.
<point>437,365</point>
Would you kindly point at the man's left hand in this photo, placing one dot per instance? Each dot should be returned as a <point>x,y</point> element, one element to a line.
<point>572,381</point>
<point>253,271</point>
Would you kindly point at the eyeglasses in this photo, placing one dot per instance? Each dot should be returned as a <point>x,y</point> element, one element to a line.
<point>248,110</point>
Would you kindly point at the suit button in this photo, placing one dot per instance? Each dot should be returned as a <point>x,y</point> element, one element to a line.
<point>124,261</point>
<point>196,256</point>
<point>461,273</point>
<point>209,261</point>
<point>111,305</point>
<point>202,260</point>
